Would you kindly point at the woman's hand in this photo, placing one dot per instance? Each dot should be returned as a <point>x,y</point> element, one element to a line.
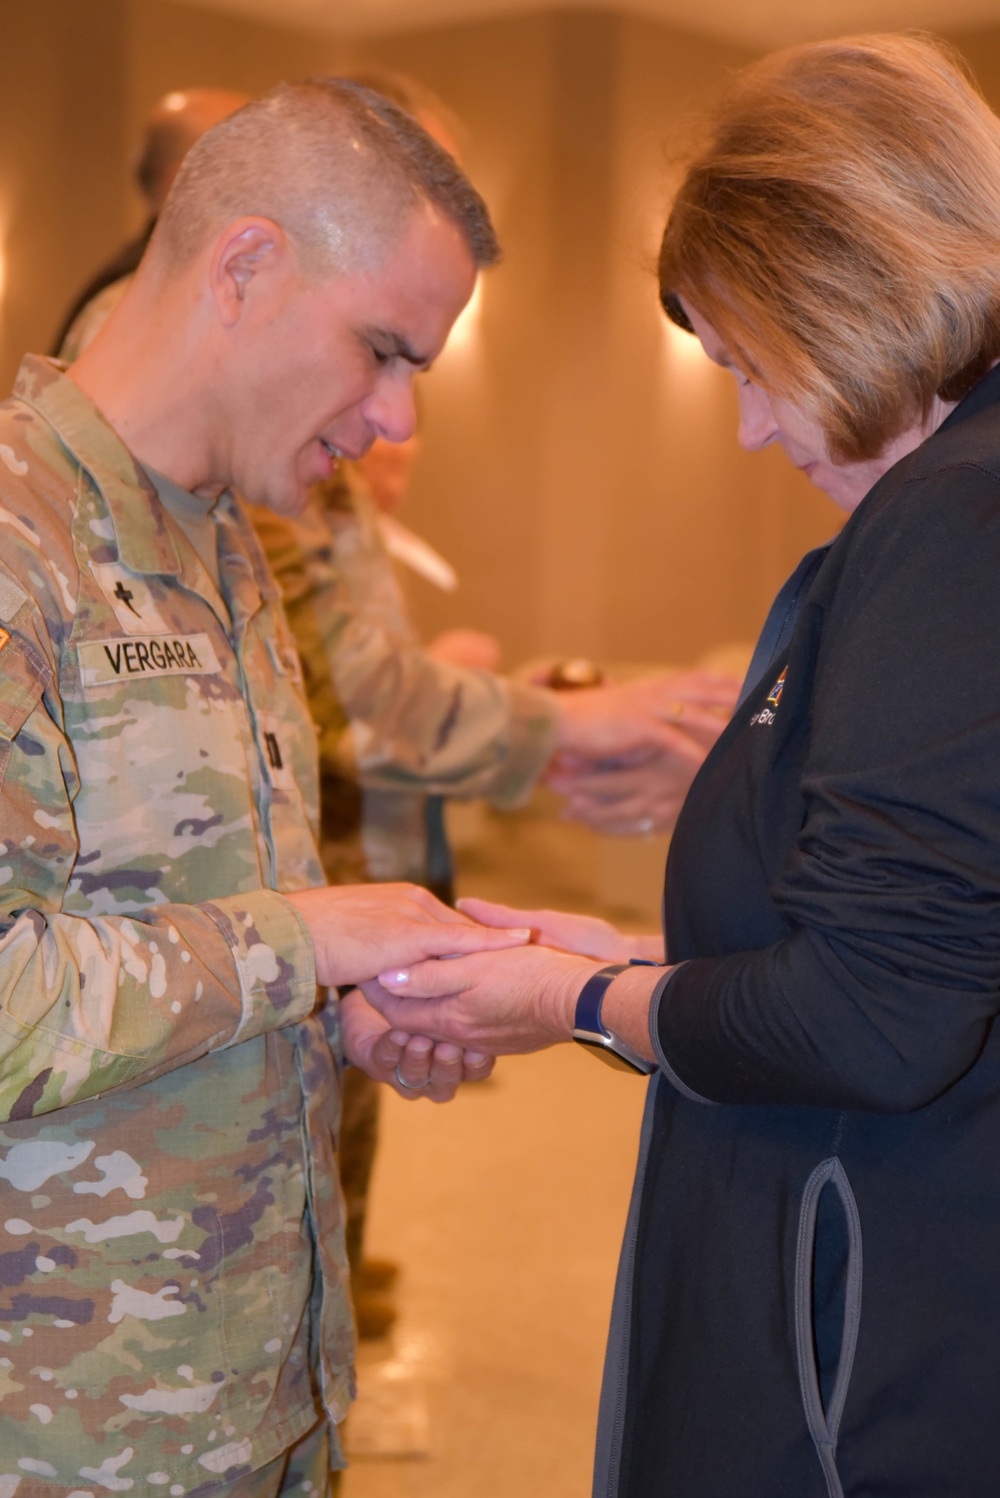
<point>428,1070</point>
<point>586,935</point>
<point>498,1002</point>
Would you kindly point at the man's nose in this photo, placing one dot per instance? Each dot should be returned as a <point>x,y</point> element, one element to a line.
<point>391,410</point>
<point>757,424</point>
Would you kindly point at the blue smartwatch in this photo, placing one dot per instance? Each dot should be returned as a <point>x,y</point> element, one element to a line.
<point>589,1031</point>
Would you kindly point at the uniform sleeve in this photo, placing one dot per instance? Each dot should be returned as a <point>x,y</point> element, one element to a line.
<point>386,709</point>
<point>882,994</point>
<point>87,1005</point>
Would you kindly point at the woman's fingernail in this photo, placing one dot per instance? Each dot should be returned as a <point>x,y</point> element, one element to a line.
<point>394,980</point>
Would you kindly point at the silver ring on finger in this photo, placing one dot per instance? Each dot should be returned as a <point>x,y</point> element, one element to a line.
<point>411,1086</point>
<point>645,826</point>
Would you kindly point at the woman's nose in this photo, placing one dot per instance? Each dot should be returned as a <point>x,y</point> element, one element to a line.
<point>757,424</point>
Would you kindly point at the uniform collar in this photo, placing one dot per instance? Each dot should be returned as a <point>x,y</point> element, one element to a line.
<point>145,542</point>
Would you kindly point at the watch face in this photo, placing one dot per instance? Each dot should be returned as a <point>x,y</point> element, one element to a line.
<point>603,1051</point>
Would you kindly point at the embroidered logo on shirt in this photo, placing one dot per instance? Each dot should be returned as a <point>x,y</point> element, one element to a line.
<point>774,696</point>
<point>766,715</point>
<point>106,662</point>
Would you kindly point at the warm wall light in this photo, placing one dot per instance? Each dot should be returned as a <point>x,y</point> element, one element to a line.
<point>682,349</point>
<point>463,334</point>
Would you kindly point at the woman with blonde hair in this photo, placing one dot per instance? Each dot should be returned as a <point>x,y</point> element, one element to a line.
<point>809,1299</point>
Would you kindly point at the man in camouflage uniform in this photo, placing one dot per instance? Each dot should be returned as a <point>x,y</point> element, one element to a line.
<point>173,1316</point>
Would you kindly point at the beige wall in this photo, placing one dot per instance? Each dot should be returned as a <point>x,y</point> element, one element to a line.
<point>179,46</point>
<point>62,154</point>
<point>77,78</point>
<point>980,46</point>
<point>580,464</point>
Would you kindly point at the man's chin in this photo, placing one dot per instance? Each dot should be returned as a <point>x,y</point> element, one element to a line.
<point>290,501</point>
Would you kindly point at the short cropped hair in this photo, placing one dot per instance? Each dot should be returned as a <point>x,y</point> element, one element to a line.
<point>335,164</point>
<point>413,96</point>
<point>841,233</point>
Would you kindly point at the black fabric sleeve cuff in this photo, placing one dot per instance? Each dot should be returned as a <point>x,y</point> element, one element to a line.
<point>654,1035</point>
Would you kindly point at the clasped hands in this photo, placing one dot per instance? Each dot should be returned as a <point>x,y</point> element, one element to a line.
<point>358,931</point>
<point>437,993</point>
<point>522,998</point>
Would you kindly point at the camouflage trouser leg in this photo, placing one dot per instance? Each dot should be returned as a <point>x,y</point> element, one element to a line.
<point>302,1472</point>
<point>360,1096</point>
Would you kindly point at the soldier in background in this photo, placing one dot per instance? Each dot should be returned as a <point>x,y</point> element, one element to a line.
<point>179,119</point>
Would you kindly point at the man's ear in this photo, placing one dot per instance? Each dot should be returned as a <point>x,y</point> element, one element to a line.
<point>249,251</point>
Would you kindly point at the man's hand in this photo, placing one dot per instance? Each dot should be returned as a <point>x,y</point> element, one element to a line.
<point>428,1070</point>
<point>680,714</point>
<point>497,1002</point>
<point>361,930</point>
<point>586,935</point>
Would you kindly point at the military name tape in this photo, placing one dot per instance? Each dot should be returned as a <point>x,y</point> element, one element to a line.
<point>106,662</point>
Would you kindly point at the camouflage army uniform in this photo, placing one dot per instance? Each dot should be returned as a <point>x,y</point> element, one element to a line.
<point>168,1193</point>
<point>397,731</point>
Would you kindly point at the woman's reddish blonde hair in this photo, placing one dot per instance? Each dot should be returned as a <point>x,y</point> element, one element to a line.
<point>841,232</point>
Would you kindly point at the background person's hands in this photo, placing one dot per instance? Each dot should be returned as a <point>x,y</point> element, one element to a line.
<point>681,713</point>
<point>359,930</point>
<point>632,796</point>
<point>586,935</point>
<point>466,647</point>
<point>429,1070</point>
<point>642,790</point>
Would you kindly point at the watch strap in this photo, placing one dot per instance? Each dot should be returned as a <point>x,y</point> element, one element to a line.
<point>588,1005</point>
<point>589,1029</point>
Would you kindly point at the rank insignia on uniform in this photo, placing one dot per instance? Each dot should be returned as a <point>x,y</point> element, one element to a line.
<point>4,637</point>
<point>774,697</point>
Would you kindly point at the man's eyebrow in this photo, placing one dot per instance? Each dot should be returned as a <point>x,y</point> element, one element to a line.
<point>397,347</point>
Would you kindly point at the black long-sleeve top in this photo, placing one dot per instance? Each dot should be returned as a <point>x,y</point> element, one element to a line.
<point>816,1290</point>
<point>835,876</point>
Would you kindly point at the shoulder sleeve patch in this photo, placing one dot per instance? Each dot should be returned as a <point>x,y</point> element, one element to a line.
<point>24,675</point>
<point>12,600</point>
